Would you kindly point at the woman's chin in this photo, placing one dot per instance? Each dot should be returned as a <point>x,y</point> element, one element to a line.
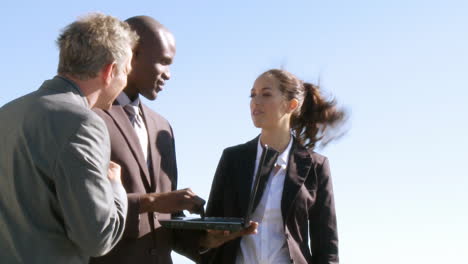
<point>257,124</point>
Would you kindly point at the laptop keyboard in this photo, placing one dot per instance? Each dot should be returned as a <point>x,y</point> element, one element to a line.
<point>218,219</point>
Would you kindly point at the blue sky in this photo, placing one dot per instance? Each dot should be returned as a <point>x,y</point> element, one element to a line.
<point>400,67</point>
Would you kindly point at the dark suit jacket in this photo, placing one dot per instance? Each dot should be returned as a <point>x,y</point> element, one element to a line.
<point>307,203</point>
<point>138,243</point>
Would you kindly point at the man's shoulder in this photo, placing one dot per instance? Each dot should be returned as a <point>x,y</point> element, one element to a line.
<point>154,116</point>
<point>70,112</point>
<point>61,108</point>
<point>50,118</point>
<point>59,99</point>
<point>76,121</point>
<point>103,114</point>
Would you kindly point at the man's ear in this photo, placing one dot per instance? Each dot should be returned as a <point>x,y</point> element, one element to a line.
<point>108,72</point>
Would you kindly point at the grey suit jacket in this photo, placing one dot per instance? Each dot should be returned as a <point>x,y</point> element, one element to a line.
<point>56,203</point>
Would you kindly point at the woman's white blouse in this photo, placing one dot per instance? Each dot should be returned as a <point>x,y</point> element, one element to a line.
<point>269,244</point>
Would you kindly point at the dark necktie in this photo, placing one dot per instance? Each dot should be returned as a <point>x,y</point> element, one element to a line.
<point>265,166</point>
<point>134,115</point>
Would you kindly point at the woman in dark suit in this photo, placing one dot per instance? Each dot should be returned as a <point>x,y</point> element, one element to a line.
<point>296,213</point>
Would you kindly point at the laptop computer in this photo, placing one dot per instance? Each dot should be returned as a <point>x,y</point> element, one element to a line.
<point>267,160</point>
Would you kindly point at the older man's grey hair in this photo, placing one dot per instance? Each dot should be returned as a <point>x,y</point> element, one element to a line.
<point>92,42</point>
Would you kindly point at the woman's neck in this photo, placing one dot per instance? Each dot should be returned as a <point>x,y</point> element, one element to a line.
<point>278,139</point>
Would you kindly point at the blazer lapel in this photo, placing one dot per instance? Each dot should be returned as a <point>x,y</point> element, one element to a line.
<point>299,165</point>
<point>121,119</point>
<point>154,155</point>
<point>245,177</point>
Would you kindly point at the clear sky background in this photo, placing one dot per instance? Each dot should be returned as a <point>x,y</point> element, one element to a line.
<point>401,67</point>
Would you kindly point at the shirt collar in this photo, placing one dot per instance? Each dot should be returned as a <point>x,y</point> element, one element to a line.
<point>282,159</point>
<point>123,100</point>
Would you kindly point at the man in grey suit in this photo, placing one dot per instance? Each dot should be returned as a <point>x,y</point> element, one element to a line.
<point>61,200</point>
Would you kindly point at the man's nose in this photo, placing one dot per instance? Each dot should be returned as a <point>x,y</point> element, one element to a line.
<point>167,74</point>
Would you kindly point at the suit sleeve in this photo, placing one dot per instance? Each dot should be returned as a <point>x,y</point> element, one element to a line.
<point>322,222</point>
<point>132,224</point>
<point>94,208</point>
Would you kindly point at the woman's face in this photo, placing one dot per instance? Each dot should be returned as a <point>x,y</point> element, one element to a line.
<point>268,107</point>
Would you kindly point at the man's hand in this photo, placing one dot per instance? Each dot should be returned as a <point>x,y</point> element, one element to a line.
<point>172,202</point>
<point>113,173</point>
<point>215,238</point>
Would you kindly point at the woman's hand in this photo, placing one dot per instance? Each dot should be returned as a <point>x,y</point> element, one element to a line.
<point>215,238</point>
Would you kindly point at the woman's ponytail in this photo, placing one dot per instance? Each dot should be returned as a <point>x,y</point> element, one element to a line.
<point>317,118</point>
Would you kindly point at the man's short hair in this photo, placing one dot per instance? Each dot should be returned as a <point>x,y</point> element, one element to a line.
<point>92,42</point>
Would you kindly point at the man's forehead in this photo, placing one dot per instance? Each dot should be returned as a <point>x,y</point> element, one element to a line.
<point>167,40</point>
<point>160,37</point>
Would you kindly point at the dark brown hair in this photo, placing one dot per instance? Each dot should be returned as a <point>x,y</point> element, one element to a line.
<point>316,119</point>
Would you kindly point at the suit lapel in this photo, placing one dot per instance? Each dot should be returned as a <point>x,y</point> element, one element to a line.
<point>245,177</point>
<point>154,155</point>
<point>121,119</point>
<point>296,174</point>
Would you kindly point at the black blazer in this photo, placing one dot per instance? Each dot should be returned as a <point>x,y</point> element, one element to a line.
<point>307,203</point>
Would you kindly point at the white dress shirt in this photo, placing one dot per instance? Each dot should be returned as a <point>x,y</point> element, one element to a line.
<point>136,118</point>
<point>269,244</point>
